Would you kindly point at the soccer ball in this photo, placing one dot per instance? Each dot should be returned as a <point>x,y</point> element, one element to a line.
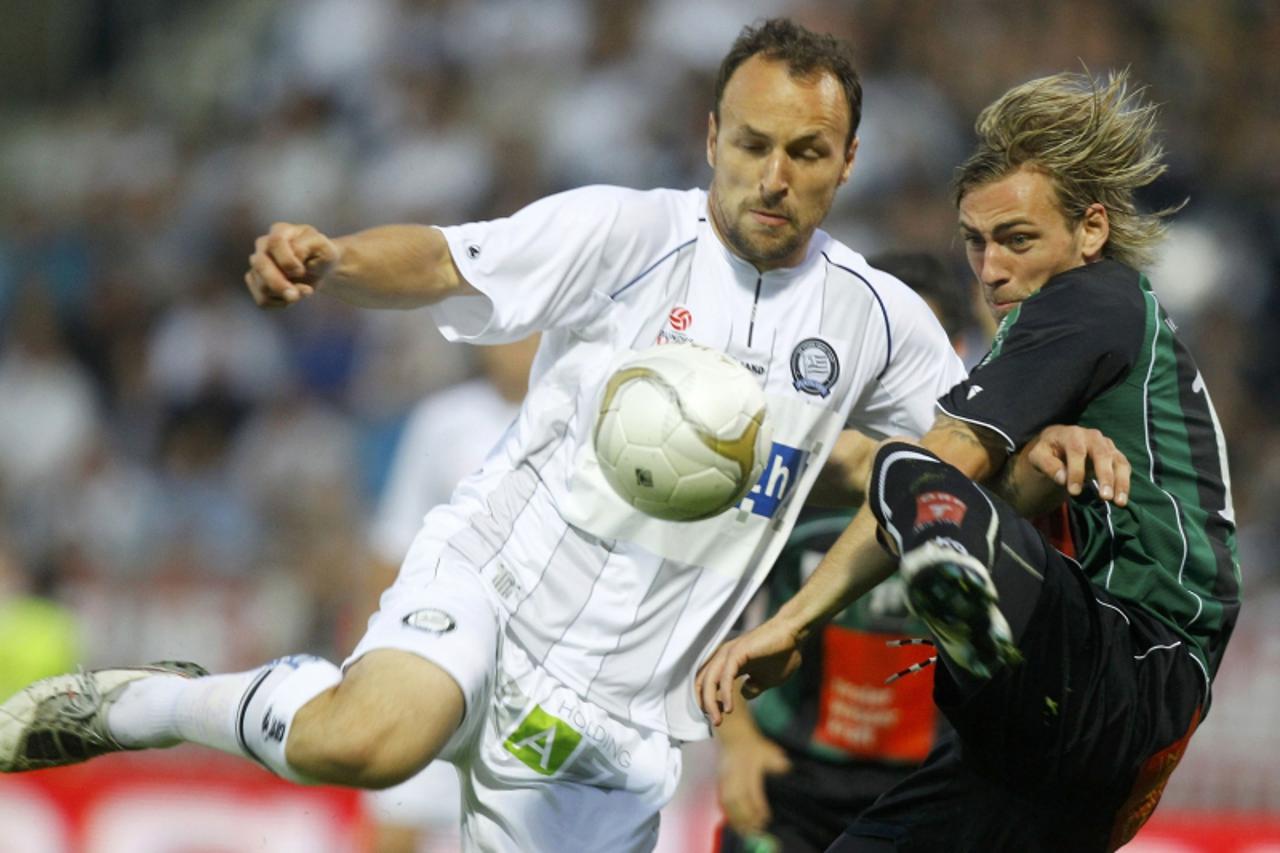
<point>682,432</point>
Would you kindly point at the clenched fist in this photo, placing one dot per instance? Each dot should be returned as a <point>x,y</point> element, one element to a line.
<point>287,264</point>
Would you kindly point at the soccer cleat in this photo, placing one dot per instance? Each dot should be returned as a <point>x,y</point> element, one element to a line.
<point>62,720</point>
<point>951,592</point>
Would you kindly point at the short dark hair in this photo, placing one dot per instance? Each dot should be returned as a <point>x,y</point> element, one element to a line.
<point>806,53</point>
<point>927,275</point>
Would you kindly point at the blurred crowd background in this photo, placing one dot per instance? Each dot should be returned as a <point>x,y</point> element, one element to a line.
<point>185,475</point>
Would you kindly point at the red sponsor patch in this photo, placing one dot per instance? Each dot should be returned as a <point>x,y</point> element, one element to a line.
<point>939,507</point>
<point>861,715</point>
<point>680,318</point>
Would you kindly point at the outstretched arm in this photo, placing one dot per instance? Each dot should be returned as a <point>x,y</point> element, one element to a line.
<point>391,266</point>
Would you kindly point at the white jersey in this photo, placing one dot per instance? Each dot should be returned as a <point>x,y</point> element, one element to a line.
<point>618,606</point>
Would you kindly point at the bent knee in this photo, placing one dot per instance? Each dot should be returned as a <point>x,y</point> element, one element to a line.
<point>375,750</point>
<point>358,763</point>
<point>379,727</point>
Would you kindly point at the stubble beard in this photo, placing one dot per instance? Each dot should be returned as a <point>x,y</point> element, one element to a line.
<point>755,251</point>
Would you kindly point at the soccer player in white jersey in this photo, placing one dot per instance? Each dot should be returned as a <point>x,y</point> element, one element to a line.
<point>542,636</point>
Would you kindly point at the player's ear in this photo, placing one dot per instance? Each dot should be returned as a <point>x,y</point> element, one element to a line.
<point>1094,230</point>
<point>712,131</point>
<point>849,155</point>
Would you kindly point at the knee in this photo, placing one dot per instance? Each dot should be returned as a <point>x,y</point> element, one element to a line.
<point>901,457</point>
<point>368,750</point>
<point>898,449</point>
<point>371,731</point>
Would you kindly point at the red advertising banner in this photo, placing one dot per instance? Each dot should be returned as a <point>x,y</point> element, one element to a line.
<point>1208,832</point>
<point>189,800</point>
<point>184,800</point>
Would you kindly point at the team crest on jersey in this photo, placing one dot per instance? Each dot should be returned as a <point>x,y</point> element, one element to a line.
<point>431,620</point>
<point>814,367</point>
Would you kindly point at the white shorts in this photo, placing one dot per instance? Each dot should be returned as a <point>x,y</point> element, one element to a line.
<point>541,769</point>
<point>429,802</point>
<point>440,609</point>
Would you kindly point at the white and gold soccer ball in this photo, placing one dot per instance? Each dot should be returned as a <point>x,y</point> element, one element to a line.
<point>682,431</point>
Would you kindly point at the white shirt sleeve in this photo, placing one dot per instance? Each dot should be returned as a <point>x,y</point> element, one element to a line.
<point>555,263</point>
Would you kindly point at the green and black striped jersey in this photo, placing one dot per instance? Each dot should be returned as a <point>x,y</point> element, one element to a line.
<point>1093,347</point>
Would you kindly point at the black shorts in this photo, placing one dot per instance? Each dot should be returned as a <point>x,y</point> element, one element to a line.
<point>1066,751</point>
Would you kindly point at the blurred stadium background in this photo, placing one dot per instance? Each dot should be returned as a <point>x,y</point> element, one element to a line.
<point>183,475</point>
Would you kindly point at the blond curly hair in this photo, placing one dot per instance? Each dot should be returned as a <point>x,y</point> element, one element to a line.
<point>1095,140</point>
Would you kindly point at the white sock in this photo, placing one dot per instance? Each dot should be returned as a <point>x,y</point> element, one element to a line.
<point>247,713</point>
<point>164,710</point>
<point>264,716</point>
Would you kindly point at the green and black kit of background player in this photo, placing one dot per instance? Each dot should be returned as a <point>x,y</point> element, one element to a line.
<point>1070,749</point>
<point>827,787</point>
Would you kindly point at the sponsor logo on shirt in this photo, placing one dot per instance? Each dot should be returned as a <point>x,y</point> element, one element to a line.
<point>667,336</point>
<point>678,322</point>
<point>543,741</point>
<point>672,335</point>
<point>548,744</point>
<point>814,367</point>
<point>781,471</point>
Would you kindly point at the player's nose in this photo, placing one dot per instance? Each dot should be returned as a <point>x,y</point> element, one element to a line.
<point>993,271</point>
<point>775,180</point>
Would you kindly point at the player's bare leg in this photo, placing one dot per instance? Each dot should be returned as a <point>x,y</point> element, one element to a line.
<point>387,719</point>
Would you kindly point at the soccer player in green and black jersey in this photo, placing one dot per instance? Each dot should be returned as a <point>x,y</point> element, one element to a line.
<point>1074,678</point>
<point>1113,362</point>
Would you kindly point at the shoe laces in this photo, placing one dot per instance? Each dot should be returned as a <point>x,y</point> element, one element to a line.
<point>79,703</point>
<point>915,667</point>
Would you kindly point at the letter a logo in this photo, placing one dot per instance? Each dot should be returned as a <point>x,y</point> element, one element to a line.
<point>539,743</point>
<point>543,741</point>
